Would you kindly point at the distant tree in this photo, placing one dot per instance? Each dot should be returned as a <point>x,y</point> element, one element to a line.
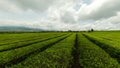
<point>69,30</point>
<point>92,30</point>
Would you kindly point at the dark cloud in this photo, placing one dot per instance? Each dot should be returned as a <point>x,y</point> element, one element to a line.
<point>35,5</point>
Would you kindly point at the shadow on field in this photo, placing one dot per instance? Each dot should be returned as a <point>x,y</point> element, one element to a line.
<point>75,54</point>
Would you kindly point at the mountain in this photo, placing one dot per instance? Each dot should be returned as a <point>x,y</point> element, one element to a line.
<point>18,28</point>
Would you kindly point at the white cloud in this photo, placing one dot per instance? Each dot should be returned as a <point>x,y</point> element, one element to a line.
<point>61,14</point>
<point>99,9</point>
<point>112,23</point>
<point>6,5</point>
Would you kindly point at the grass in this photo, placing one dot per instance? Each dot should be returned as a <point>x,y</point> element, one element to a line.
<point>60,50</point>
<point>111,47</point>
<point>12,56</point>
<point>27,42</point>
<point>92,56</point>
<point>57,56</point>
<point>6,39</point>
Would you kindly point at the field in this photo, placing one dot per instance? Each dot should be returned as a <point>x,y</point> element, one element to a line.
<point>60,50</point>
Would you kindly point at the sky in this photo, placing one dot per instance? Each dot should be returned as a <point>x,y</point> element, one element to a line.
<point>61,14</point>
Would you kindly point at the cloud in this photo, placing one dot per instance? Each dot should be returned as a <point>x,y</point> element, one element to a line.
<point>12,23</point>
<point>112,23</point>
<point>99,9</point>
<point>6,5</point>
<point>68,18</point>
<point>35,5</point>
<point>25,5</point>
<point>61,14</point>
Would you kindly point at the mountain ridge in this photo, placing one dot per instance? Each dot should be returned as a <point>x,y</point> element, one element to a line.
<point>18,28</point>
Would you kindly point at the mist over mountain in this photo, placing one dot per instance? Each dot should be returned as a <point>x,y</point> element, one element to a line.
<point>18,28</point>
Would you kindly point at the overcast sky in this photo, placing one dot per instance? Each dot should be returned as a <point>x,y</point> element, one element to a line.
<point>61,14</point>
